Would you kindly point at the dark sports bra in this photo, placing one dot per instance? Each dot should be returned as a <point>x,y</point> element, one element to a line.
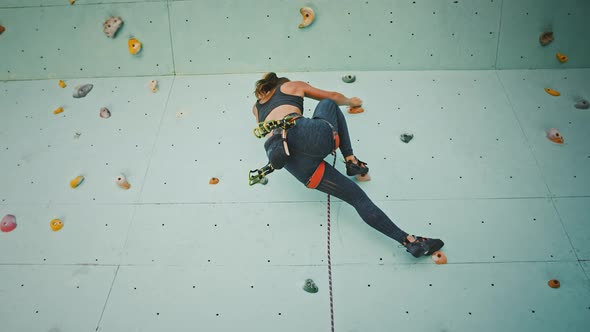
<point>278,99</point>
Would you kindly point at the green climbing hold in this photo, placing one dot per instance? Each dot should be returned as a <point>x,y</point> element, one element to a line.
<point>310,286</point>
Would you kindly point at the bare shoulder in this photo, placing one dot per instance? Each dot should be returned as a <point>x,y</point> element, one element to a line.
<point>294,88</point>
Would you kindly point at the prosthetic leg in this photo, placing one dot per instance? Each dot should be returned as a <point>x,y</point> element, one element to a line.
<point>264,128</point>
<point>258,175</point>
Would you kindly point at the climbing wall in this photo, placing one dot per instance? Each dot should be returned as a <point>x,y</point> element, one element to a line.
<point>174,252</point>
<point>51,39</point>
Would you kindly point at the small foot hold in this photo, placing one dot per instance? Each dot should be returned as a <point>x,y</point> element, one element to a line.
<point>355,110</point>
<point>105,113</point>
<point>363,178</point>
<point>2,29</point>
<point>153,85</point>
<point>61,84</point>
<point>554,136</point>
<point>77,181</point>
<point>406,138</point>
<point>552,92</point>
<point>582,104</point>
<point>310,286</point>
<point>56,225</point>
<point>58,110</point>
<point>214,181</point>
<point>8,223</point>
<point>307,15</point>
<point>562,58</point>
<point>122,182</point>
<point>348,78</point>
<point>554,283</point>
<point>134,46</point>
<point>439,257</point>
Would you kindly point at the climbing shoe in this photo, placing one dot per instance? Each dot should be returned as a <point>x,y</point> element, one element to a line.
<point>423,246</point>
<point>359,167</point>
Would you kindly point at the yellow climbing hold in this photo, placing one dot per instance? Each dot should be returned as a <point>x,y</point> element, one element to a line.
<point>56,225</point>
<point>552,92</point>
<point>58,110</point>
<point>77,181</point>
<point>134,46</point>
<point>562,58</point>
<point>62,84</point>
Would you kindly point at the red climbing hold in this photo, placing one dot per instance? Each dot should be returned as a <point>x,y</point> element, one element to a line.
<point>8,223</point>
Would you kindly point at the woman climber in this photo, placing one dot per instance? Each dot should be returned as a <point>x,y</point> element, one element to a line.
<point>300,144</point>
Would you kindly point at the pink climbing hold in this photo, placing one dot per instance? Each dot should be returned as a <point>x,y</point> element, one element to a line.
<point>8,223</point>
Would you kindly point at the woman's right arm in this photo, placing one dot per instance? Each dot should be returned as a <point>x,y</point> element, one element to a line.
<point>318,94</point>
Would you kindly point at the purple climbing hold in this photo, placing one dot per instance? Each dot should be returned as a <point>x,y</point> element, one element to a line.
<point>8,223</point>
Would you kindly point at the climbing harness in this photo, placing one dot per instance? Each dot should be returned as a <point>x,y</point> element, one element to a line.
<point>267,126</point>
<point>278,141</point>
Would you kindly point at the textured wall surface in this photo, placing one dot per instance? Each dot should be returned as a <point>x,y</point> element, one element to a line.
<point>174,253</point>
<point>231,36</point>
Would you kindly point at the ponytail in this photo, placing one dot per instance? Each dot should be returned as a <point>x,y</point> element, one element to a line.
<point>269,82</point>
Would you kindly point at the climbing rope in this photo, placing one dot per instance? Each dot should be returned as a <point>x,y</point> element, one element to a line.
<point>330,260</point>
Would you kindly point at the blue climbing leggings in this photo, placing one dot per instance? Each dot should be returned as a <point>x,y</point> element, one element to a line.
<point>310,141</point>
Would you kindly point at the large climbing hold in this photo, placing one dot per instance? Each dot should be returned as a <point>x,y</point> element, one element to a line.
<point>82,90</point>
<point>112,25</point>
<point>8,223</point>
<point>307,15</point>
<point>546,38</point>
<point>554,136</point>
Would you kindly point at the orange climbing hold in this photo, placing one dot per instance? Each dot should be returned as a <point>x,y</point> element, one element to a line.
<point>122,182</point>
<point>554,283</point>
<point>2,29</point>
<point>56,225</point>
<point>554,136</point>
<point>562,58</point>
<point>439,257</point>
<point>62,84</point>
<point>355,110</point>
<point>214,181</point>
<point>134,46</point>
<point>552,92</point>
<point>58,110</point>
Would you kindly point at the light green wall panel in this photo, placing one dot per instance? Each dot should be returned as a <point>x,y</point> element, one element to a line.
<point>524,21</point>
<point>68,41</point>
<point>53,298</point>
<point>236,36</point>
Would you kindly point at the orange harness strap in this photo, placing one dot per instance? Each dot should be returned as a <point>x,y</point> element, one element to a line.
<point>317,176</point>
